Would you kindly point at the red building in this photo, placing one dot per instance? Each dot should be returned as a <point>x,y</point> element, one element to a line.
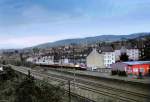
<point>136,67</point>
<point>133,67</point>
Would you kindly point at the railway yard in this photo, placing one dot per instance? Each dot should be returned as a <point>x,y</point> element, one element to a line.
<point>91,87</point>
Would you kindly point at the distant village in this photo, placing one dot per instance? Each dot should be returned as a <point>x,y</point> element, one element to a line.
<point>95,57</point>
<point>92,57</point>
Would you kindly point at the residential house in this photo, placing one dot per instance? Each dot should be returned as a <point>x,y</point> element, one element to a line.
<point>132,52</point>
<point>95,60</point>
<point>109,55</point>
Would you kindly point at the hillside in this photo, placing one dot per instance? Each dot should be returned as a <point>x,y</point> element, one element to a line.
<point>88,40</point>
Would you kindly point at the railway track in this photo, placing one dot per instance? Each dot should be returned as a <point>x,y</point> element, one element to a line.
<point>85,99</point>
<point>118,94</point>
<point>109,91</point>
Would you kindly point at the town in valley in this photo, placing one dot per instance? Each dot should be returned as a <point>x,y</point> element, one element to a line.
<point>74,51</point>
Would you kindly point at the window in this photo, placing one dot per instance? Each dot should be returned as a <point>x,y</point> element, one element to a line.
<point>141,69</point>
<point>135,69</point>
<point>108,61</point>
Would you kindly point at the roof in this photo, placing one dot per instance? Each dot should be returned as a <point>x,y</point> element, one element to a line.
<point>127,46</point>
<point>137,62</point>
<point>117,47</point>
<point>106,49</point>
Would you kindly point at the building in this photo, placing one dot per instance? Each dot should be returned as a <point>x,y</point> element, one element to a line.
<point>144,47</point>
<point>133,67</point>
<point>109,55</point>
<point>138,66</point>
<point>103,57</point>
<point>45,60</point>
<point>117,54</point>
<point>95,60</point>
<point>132,52</point>
<point>30,59</point>
<point>1,68</point>
<point>65,61</point>
<point>119,66</point>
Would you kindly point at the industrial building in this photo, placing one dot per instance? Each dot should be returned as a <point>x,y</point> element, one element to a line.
<point>133,67</point>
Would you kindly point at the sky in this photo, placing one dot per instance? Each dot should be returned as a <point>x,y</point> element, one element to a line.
<point>25,23</point>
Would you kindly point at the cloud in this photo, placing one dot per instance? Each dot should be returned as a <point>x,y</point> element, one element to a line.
<point>14,12</point>
<point>30,22</point>
<point>21,42</point>
<point>28,41</point>
<point>38,14</point>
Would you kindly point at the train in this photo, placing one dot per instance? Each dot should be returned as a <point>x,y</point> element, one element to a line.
<point>77,67</point>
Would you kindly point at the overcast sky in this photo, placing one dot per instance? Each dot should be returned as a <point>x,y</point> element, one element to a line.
<point>26,23</point>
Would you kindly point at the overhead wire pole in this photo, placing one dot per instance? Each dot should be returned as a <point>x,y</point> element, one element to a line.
<point>74,67</point>
<point>69,93</point>
<point>61,60</point>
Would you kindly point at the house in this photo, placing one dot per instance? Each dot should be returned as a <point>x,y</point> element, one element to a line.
<point>117,54</point>
<point>65,61</point>
<point>1,68</point>
<point>133,67</point>
<point>30,59</point>
<point>103,57</point>
<point>109,55</point>
<point>45,60</point>
<point>118,51</point>
<point>119,66</point>
<point>143,45</point>
<point>95,60</point>
<point>132,52</point>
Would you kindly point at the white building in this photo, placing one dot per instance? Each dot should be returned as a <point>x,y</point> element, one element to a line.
<point>109,56</point>
<point>45,60</point>
<point>133,53</point>
<point>30,59</point>
<point>64,61</point>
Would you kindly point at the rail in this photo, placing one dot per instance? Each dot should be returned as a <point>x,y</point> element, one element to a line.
<point>102,90</point>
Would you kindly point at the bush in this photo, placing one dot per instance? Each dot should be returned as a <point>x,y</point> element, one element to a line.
<point>117,72</point>
<point>29,91</point>
<point>114,72</point>
<point>7,74</point>
<point>122,73</point>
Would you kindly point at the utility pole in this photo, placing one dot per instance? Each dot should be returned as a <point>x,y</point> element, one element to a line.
<point>69,94</point>
<point>74,67</point>
<point>29,74</point>
<point>60,54</point>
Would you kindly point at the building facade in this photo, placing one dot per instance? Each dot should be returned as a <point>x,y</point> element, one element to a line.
<point>95,60</point>
<point>109,55</point>
<point>133,53</point>
<point>133,67</point>
<point>109,58</point>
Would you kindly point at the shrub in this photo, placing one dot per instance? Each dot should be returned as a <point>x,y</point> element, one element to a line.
<point>114,72</point>
<point>122,73</point>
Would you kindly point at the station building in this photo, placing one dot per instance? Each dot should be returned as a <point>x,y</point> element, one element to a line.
<point>133,67</point>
